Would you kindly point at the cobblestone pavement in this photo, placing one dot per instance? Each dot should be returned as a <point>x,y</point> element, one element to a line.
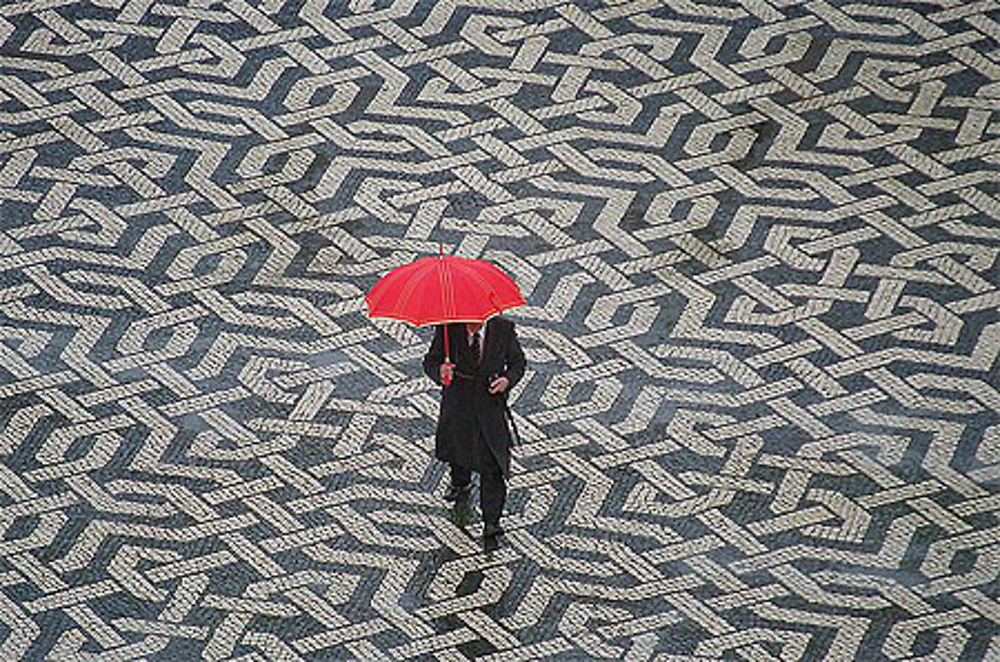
<point>759,242</point>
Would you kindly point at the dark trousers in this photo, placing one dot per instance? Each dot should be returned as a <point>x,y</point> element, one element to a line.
<point>492,489</point>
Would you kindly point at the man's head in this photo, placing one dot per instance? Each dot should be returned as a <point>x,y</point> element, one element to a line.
<point>472,327</point>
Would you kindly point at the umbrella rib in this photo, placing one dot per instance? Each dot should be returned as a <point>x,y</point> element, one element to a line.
<point>400,303</point>
<point>447,294</point>
<point>485,284</point>
<point>406,294</point>
<point>488,286</point>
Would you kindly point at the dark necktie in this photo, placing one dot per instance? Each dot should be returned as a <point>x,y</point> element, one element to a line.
<point>475,348</point>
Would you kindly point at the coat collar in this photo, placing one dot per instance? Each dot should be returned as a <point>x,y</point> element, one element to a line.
<point>493,332</point>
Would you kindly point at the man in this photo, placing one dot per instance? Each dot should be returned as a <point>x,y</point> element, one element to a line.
<point>472,433</point>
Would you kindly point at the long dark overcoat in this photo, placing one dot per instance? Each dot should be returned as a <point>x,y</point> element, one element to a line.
<point>472,425</point>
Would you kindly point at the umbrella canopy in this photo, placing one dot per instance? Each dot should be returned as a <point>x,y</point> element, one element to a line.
<point>443,289</point>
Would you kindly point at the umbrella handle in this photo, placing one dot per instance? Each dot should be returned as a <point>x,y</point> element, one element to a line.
<point>446,380</point>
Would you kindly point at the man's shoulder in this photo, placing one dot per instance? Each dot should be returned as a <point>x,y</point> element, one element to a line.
<point>501,323</point>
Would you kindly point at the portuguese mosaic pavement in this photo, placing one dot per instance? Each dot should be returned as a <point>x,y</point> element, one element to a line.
<point>759,240</point>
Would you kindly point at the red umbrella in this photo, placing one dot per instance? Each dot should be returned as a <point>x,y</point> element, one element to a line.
<point>443,289</point>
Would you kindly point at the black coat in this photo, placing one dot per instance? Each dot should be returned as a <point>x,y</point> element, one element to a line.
<point>472,424</point>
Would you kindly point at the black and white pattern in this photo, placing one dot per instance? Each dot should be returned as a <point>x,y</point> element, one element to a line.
<point>759,240</point>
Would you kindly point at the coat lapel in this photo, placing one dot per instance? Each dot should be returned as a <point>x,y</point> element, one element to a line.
<point>463,357</point>
<point>460,345</point>
<point>494,331</point>
<point>495,342</point>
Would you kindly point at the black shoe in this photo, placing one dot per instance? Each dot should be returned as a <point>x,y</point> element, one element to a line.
<point>456,492</point>
<point>492,530</point>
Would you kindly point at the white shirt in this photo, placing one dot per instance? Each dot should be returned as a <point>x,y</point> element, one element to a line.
<point>482,339</point>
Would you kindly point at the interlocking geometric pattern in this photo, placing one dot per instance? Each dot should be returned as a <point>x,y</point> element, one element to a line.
<point>760,241</point>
